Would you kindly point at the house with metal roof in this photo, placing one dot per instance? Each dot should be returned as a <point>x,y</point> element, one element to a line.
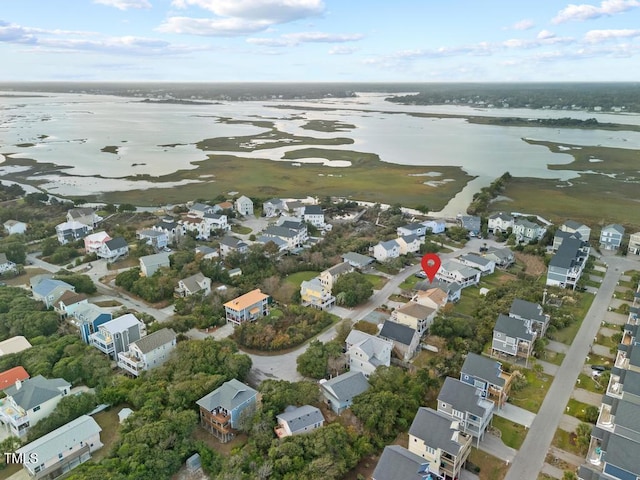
<point>486,374</point>
<point>148,352</point>
<point>340,391</point>
<point>398,463</point>
<point>439,440</point>
<point>116,335</point>
<point>29,401</point>
<point>296,421</point>
<point>149,264</point>
<point>49,290</point>
<point>221,410</point>
<point>406,340</point>
<point>63,449</point>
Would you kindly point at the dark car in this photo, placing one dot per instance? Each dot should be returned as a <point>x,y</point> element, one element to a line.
<point>599,368</point>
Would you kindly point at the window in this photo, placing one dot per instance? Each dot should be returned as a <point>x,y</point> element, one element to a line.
<point>35,409</point>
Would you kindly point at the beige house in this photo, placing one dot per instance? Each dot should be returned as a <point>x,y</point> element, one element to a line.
<point>197,283</point>
<point>435,298</point>
<point>247,308</point>
<point>414,315</point>
<point>330,275</point>
<point>148,352</point>
<point>634,243</point>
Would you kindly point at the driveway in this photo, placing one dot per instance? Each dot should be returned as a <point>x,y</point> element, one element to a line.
<point>516,415</point>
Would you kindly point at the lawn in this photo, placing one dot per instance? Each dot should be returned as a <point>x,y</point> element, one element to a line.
<point>409,282</point>
<point>553,357</point>
<point>376,280</point>
<point>577,409</point>
<point>398,298</point>
<point>532,395</point>
<point>567,334</point>
<point>109,422</point>
<point>567,441</point>
<point>297,278</point>
<point>588,383</point>
<point>240,229</point>
<point>513,434</point>
<point>491,468</point>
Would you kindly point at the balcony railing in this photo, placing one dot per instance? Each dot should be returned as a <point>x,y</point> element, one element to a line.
<point>594,455</point>
<point>622,361</point>
<point>605,419</point>
<point>615,388</point>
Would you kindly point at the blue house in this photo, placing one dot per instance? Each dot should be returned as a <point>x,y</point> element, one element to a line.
<point>221,410</point>
<point>88,318</point>
<point>340,391</point>
<point>487,375</point>
<point>611,237</point>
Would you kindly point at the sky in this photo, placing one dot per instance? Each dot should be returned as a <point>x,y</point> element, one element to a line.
<point>319,40</point>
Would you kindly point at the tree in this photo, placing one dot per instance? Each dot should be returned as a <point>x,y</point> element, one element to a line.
<point>16,252</point>
<point>583,436</point>
<point>314,362</point>
<point>366,327</point>
<point>353,289</point>
<point>82,283</point>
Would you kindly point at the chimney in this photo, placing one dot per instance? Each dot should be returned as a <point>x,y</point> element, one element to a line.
<point>18,384</point>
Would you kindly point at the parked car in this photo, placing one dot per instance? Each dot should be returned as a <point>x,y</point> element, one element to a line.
<point>421,275</point>
<point>599,368</point>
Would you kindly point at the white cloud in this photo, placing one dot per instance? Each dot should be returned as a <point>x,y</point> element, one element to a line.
<point>274,11</point>
<point>293,39</point>
<point>597,36</point>
<point>124,4</point>
<point>522,25</point>
<point>341,50</point>
<point>545,34</point>
<point>587,12</point>
<point>224,27</point>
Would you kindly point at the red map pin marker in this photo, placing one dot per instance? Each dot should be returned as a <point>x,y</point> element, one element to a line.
<point>431,264</point>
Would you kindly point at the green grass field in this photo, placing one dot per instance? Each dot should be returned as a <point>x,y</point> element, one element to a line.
<point>512,434</point>
<point>376,280</point>
<point>531,397</point>
<point>297,278</point>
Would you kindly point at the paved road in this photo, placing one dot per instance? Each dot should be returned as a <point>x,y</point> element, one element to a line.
<point>529,461</point>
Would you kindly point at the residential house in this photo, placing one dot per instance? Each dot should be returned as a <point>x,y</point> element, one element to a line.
<point>330,275</point>
<point>366,352</point>
<point>200,209</point>
<point>14,344</point>
<point>357,261</point>
<point>502,257</point>
<point>486,374</point>
<point>500,222</point>
<point>571,226</point>
<point>88,318</point>
<point>197,283</point>
<point>452,271</point>
<point>513,337</point>
<point>114,249</point>
<point>222,206</point>
<point>634,244</point>
<point>71,231</point>
<point>94,241</point>
<point>472,224</point>
<point>527,231</point>
<point>207,252</point>
<point>244,205</point>
<point>148,352</point>
<point>170,227</point>
<point>464,403</point>
<point>294,207</point>
<point>435,226</point>
<point>11,376</point>
<point>398,463</point>
<point>611,236</point>
<point>340,391</point>
<point>49,290</point>
<point>439,440</point>
<point>247,308</point>
<point>296,421</point>
<point>84,215</point>
<point>434,298</point>
<point>532,313</point>
<point>272,208</point>
<point>453,290</point>
<point>409,244</point>
<point>61,450</point>
<point>567,265</point>
<point>158,239</point>
<point>6,265</point>
<point>230,244</point>
<point>13,227</point>
<point>116,335</point>
<point>314,215</point>
<point>314,294</point>
<point>69,302</point>
<point>149,264</point>
<point>197,225</point>
<point>384,251</point>
<point>406,340</point>
<point>415,315</point>
<point>417,229</point>
<point>560,236</point>
<point>294,238</point>
<point>279,244</point>
<point>217,222</point>
<point>27,402</point>
<point>221,410</point>
<point>485,265</point>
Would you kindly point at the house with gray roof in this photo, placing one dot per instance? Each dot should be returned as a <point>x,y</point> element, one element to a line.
<point>116,335</point>
<point>560,236</point>
<point>571,226</point>
<point>357,260</point>
<point>440,441</point>
<point>193,284</point>
<point>416,228</point>
<point>409,244</point>
<point>114,249</point>
<point>435,226</point>
<point>464,403</point>
<point>398,463</point>
<point>63,449</point>
<point>611,236</point>
<point>340,391</point>
<point>367,352</point>
<point>527,231</point>
<point>272,208</point>
<point>499,222</point>
<point>530,312</point>
<point>296,421</point>
<point>6,265</point>
<point>48,290</point>
<point>471,223</point>
<point>384,251</point>
<point>486,374</point>
<point>406,340</point>
<point>229,244</point>
<point>280,244</point>
<point>84,215</point>
<point>314,215</point>
<point>207,252</point>
<point>329,276</point>
<point>170,227</point>
<point>156,238</point>
<point>71,231</point>
<point>148,352</point>
<point>244,205</point>
<point>567,264</point>
<point>292,237</point>
<point>415,315</point>
<point>513,337</point>
<point>88,319</point>
<point>13,227</point>
<point>484,264</point>
<point>222,409</point>
<point>200,209</point>
<point>502,257</point>
<point>150,264</point>
<point>451,271</point>
<point>29,401</point>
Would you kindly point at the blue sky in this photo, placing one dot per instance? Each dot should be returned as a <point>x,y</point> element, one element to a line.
<point>320,40</point>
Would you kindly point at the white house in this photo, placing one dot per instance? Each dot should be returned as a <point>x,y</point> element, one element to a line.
<point>386,250</point>
<point>84,215</point>
<point>314,215</point>
<point>94,241</point>
<point>63,449</point>
<point>435,226</point>
<point>244,205</point>
<point>611,236</point>
<point>526,231</point>
<point>485,265</point>
<point>114,249</point>
<point>198,225</point>
<point>273,207</point>
<point>14,227</point>
<point>197,283</point>
<point>148,352</point>
<point>229,244</point>
<point>6,265</point>
<point>149,264</point>
<point>571,226</point>
<point>500,222</point>
<point>366,352</point>
<point>71,231</point>
<point>634,244</point>
<point>170,227</point>
<point>452,271</point>
<point>158,239</point>
<point>116,335</point>
<point>417,229</point>
<point>217,221</point>
<point>296,421</point>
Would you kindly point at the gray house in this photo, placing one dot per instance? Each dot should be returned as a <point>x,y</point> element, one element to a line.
<point>340,391</point>
<point>295,421</point>
<point>471,224</point>
<point>611,236</point>
<point>566,266</point>
<point>527,231</point>
<point>465,404</point>
<point>571,226</point>
<point>502,257</point>
<point>531,312</point>
<point>406,340</point>
<point>513,337</point>
<point>398,463</point>
<point>487,375</point>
